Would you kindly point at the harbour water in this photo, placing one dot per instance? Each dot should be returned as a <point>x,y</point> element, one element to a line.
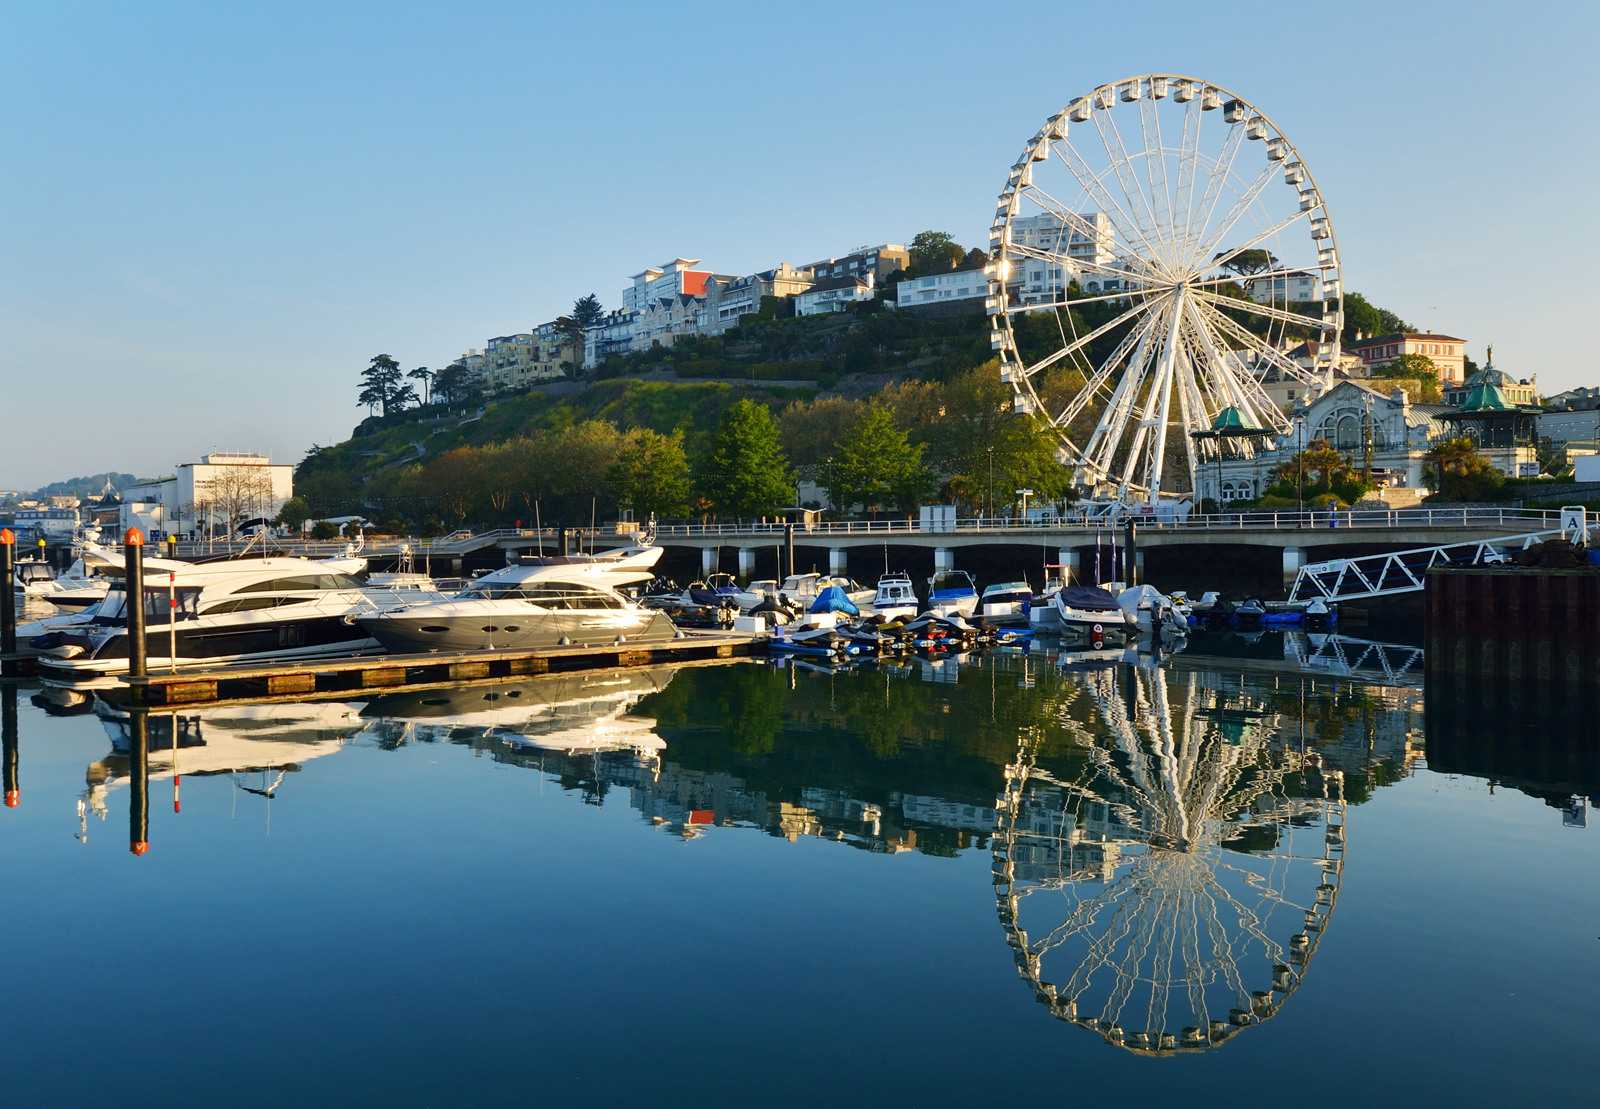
<point>1010,878</point>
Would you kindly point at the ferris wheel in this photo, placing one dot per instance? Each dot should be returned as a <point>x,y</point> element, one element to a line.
<point>1159,253</point>
<point>1177,895</point>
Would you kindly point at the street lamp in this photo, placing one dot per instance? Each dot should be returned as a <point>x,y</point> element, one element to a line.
<point>991,482</point>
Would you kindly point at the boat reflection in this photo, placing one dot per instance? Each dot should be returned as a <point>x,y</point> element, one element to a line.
<point>1175,891</point>
<point>571,713</point>
<point>241,741</point>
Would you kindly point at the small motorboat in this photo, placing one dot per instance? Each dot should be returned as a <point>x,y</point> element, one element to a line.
<point>803,589</point>
<point>1094,612</point>
<point>1152,611</point>
<point>895,598</point>
<point>1006,603</point>
<point>952,592</point>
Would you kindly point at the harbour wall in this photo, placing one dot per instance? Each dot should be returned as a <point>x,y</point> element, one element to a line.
<point>1513,625</point>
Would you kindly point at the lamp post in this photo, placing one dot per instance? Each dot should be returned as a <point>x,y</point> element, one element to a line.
<point>991,481</point>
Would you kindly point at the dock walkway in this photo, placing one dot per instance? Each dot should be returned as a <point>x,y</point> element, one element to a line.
<point>295,681</point>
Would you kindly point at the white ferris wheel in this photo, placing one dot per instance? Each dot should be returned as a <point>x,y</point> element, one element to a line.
<point>1160,253</point>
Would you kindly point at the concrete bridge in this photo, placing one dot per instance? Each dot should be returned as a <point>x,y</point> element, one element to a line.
<point>1300,536</point>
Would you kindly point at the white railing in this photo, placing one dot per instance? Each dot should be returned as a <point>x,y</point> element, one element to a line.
<point>1469,516</point>
<point>1384,575</point>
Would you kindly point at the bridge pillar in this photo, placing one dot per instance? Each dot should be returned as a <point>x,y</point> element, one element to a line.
<point>747,562</point>
<point>943,559</point>
<point>708,560</point>
<point>837,562</point>
<point>1293,559</point>
<point>1068,557</point>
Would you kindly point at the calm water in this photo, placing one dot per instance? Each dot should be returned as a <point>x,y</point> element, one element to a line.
<point>1227,877</point>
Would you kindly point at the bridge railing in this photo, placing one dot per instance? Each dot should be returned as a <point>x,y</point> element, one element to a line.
<point>1454,516</point>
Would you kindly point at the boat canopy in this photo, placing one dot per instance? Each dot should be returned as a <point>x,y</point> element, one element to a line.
<point>834,599</point>
<point>1135,597</point>
<point>1089,598</point>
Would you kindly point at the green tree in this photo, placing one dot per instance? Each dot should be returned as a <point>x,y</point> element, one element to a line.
<point>324,530</point>
<point>1416,368</point>
<point>295,512</point>
<point>456,384</point>
<point>651,474</point>
<point>1365,317</point>
<point>1455,470</point>
<point>380,384</point>
<point>745,472</point>
<point>425,378</point>
<point>587,312</point>
<point>875,465</point>
<point>935,252</point>
<point>1247,262</point>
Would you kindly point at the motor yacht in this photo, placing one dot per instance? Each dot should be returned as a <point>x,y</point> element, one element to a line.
<point>256,610</point>
<point>952,592</point>
<point>1006,603</point>
<point>540,602</point>
<point>896,598</point>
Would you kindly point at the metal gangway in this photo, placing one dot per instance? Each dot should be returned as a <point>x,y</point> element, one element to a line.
<point>1386,575</point>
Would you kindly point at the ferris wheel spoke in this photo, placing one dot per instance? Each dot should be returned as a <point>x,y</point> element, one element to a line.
<point>1120,243</point>
<point>1218,321</point>
<point>1256,308</point>
<point>1242,390</point>
<point>1277,228</point>
<point>1136,197</point>
<point>1208,202</point>
<point>1156,176</point>
<point>1095,189</point>
<point>1050,256</point>
<point>1079,344</point>
<point>1188,158</point>
<point>1240,207</point>
<point>1097,382</point>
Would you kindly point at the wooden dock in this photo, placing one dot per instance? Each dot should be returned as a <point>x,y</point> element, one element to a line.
<point>372,674</point>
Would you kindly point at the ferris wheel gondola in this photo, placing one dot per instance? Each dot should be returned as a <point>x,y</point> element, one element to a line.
<point>1147,276</point>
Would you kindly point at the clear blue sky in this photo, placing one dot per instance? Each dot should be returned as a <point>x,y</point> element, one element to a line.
<point>212,216</point>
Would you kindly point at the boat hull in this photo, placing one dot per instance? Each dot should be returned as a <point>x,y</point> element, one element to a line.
<point>407,632</point>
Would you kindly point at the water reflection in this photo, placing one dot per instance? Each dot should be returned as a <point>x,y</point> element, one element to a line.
<point>1166,841</point>
<point>255,746</point>
<point>1174,892</point>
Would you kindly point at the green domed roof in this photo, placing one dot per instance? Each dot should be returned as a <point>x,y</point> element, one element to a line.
<point>1487,397</point>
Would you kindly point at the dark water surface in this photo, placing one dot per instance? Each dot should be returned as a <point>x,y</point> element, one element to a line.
<point>1228,878</point>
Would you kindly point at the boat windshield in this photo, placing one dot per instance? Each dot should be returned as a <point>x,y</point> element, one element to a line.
<point>301,582</point>
<point>952,581</point>
<point>555,594</point>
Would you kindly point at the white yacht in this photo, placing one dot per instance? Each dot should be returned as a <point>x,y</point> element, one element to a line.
<point>896,597</point>
<point>539,602</point>
<point>255,610</point>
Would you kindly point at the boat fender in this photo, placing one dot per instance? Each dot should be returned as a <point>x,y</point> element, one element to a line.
<point>563,642</point>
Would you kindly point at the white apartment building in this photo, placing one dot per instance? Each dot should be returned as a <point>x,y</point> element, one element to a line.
<point>1088,240</point>
<point>668,300</point>
<point>1278,286</point>
<point>834,295</point>
<point>178,506</point>
<point>963,284</point>
<point>612,335</point>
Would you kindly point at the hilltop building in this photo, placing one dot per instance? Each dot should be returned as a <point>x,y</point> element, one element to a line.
<point>879,261</point>
<point>1446,351</point>
<point>966,284</point>
<point>728,298</point>
<point>834,295</point>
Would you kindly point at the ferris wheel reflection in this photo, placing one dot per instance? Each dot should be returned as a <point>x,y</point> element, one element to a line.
<point>1175,893</point>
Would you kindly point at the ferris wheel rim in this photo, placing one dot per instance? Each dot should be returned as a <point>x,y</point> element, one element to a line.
<point>1189,297</point>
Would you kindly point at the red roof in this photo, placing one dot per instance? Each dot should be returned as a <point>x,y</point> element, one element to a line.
<point>694,282</point>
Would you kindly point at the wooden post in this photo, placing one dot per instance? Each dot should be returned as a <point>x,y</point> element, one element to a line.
<point>133,569</point>
<point>1130,554</point>
<point>139,780</point>
<point>8,728</point>
<point>8,601</point>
